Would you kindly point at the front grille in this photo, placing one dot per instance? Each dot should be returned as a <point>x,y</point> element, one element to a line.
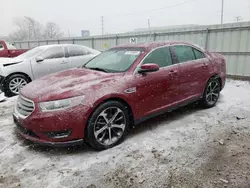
<point>24,106</point>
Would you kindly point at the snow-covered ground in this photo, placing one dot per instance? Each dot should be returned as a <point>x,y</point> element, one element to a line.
<point>190,147</point>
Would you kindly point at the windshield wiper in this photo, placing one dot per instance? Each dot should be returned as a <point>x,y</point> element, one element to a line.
<point>97,68</point>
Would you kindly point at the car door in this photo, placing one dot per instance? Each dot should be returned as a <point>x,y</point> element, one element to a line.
<point>78,56</point>
<point>3,52</point>
<point>193,70</point>
<point>157,90</point>
<point>53,61</point>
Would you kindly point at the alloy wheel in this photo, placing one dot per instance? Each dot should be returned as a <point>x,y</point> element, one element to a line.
<point>213,92</point>
<point>16,84</point>
<point>109,126</point>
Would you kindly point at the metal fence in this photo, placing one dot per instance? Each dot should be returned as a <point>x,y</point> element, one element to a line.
<point>231,40</point>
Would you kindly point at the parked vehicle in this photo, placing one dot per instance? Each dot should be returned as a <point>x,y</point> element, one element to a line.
<point>120,87</point>
<point>8,50</point>
<point>40,61</point>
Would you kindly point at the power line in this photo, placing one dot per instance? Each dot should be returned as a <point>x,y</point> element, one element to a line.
<point>238,18</point>
<point>147,11</point>
<point>157,9</point>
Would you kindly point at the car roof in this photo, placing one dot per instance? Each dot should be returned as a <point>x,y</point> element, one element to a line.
<point>62,45</point>
<point>151,45</point>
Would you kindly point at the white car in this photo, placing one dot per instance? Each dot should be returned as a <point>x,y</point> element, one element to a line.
<point>40,61</point>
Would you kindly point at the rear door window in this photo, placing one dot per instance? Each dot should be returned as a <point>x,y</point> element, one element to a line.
<point>198,54</point>
<point>184,53</point>
<point>76,51</point>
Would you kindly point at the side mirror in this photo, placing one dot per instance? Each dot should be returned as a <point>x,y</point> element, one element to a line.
<point>150,67</point>
<point>39,59</point>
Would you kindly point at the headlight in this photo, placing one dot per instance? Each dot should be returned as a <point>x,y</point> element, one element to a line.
<point>61,104</point>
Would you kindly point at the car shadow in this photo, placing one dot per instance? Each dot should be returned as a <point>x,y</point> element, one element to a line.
<point>165,119</point>
<point>148,125</point>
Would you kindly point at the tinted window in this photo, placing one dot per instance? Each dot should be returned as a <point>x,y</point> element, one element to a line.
<point>198,54</point>
<point>184,53</point>
<point>53,53</point>
<point>76,51</point>
<point>1,46</point>
<point>160,56</point>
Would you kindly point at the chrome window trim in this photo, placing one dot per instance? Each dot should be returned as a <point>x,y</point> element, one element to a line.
<point>170,45</point>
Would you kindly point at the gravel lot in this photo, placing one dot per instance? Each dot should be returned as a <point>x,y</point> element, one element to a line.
<point>190,147</point>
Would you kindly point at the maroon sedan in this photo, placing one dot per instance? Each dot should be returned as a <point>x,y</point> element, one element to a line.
<point>8,50</point>
<point>123,86</point>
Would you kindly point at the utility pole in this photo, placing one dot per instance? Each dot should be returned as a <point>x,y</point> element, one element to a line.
<point>149,28</point>
<point>102,23</point>
<point>222,11</point>
<point>238,18</point>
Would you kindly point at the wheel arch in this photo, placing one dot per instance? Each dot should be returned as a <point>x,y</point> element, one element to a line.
<point>14,73</point>
<point>216,76</point>
<point>22,73</point>
<point>113,98</point>
<point>125,103</point>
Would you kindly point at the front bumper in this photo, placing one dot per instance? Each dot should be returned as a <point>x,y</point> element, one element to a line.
<point>39,127</point>
<point>1,83</point>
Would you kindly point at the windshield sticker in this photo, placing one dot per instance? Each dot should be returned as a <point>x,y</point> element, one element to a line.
<point>132,53</point>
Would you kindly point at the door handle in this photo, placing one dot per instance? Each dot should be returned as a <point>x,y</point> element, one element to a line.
<point>205,65</point>
<point>173,72</point>
<point>64,62</point>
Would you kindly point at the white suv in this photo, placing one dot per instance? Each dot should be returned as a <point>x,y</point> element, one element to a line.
<point>40,61</point>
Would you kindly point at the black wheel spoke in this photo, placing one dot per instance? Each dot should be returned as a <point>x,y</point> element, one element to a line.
<point>109,126</point>
<point>212,92</point>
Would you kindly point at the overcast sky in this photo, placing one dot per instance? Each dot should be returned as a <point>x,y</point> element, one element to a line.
<point>119,16</point>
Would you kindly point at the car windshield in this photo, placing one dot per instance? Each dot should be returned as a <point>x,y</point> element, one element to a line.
<point>115,60</point>
<point>10,46</point>
<point>31,53</point>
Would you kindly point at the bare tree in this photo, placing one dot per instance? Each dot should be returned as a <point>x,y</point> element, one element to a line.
<point>30,29</point>
<point>52,30</point>
<point>35,29</point>
<point>27,29</point>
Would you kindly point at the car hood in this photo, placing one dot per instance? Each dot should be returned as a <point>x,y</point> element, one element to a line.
<point>66,84</point>
<point>8,61</point>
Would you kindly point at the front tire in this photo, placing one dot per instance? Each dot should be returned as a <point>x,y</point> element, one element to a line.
<point>14,83</point>
<point>108,125</point>
<point>211,93</point>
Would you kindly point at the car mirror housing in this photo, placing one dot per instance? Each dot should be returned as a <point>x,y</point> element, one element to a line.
<point>39,59</point>
<point>150,67</point>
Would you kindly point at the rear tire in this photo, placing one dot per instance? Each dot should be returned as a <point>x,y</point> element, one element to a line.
<point>211,93</point>
<point>14,83</point>
<point>108,125</point>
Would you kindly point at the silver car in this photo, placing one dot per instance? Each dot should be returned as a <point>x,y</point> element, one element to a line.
<point>40,61</point>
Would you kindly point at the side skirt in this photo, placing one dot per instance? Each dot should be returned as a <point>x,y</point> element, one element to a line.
<point>170,109</point>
